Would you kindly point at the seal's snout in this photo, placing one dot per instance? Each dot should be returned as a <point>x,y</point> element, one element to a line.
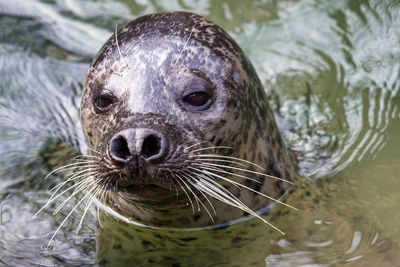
<point>138,144</point>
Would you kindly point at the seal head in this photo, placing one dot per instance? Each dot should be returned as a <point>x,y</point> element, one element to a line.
<point>180,126</point>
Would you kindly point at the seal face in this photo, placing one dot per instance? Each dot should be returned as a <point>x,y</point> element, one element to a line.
<point>175,114</point>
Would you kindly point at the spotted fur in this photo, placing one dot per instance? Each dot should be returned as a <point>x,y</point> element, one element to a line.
<point>147,67</point>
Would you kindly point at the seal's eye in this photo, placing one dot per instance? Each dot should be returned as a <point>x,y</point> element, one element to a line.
<point>103,103</point>
<point>197,99</point>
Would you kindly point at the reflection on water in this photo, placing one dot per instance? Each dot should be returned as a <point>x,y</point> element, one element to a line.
<point>332,69</point>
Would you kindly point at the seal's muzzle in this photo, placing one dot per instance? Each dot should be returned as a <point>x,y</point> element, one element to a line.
<point>137,149</point>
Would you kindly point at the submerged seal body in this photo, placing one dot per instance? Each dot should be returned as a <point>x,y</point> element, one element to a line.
<point>179,126</point>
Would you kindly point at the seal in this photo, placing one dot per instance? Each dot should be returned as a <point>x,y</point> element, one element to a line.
<point>180,131</point>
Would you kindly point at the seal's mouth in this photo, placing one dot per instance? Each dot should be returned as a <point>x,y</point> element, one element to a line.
<point>144,190</point>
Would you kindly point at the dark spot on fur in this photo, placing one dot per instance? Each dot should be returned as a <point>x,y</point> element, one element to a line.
<point>117,246</point>
<point>146,244</point>
<point>103,262</point>
<point>236,240</point>
<point>278,213</point>
<point>218,143</point>
<point>212,139</point>
<point>196,216</point>
<point>188,239</point>
<point>287,174</point>
<point>279,157</point>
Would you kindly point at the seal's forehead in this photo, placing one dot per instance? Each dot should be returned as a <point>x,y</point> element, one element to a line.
<point>179,27</point>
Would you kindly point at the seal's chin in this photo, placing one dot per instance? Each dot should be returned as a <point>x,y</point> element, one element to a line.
<point>145,190</point>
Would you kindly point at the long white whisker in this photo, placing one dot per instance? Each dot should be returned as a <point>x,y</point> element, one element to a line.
<point>194,184</point>
<point>92,198</point>
<point>68,167</point>
<point>199,200</point>
<point>69,214</point>
<point>78,189</point>
<point>84,157</point>
<point>95,151</point>
<point>233,201</point>
<point>187,41</point>
<point>116,41</point>
<point>75,176</point>
<point>219,160</point>
<point>211,147</point>
<point>228,157</point>
<point>197,144</point>
<point>201,203</point>
<point>51,200</point>
<point>102,199</point>
<point>98,216</point>
<point>82,176</point>
<point>249,171</point>
<point>246,187</point>
<point>220,193</point>
<point>187,195</point>
<point>188,187</point>
<point>226,172</point>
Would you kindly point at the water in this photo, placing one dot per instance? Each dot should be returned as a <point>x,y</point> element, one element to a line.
<point>332,69</point>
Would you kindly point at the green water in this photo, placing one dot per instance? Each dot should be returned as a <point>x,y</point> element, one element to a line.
<point>332,69</point>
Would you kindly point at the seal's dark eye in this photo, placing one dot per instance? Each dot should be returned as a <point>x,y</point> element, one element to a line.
<point>103,103</point>
<point>197,99</point>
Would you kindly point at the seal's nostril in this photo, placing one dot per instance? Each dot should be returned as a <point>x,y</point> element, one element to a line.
<point>151,146</point>
<point>119,149</point>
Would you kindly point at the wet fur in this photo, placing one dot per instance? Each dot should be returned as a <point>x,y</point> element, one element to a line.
<point>144,66</point>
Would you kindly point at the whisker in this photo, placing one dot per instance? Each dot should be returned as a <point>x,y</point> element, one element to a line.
<point>197,144</point>
<point>66,218</point>
<point>83,176</point>
<point>78,189</point>
<point>52,199</point>
<point>102,199</point>
<point>232,158</point>
<point>249,171</point>
<point>222,193</point>
<point>248,188</point>
<point>199,200</point>
<point>233,201</point>
<point>180,54</point>
<point>187,195</point>
<point>116,41</point>
<point>95,151</point>
<point>226,172</point>
<point>211,147</point>
<point>86,157</point>
<point>202,204</point>
<point>75,176</point>
<point>92,198</point>
<point>220,160</point>
<point>190,190</point>
<point>209,202</point>
<point>67,167</point>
